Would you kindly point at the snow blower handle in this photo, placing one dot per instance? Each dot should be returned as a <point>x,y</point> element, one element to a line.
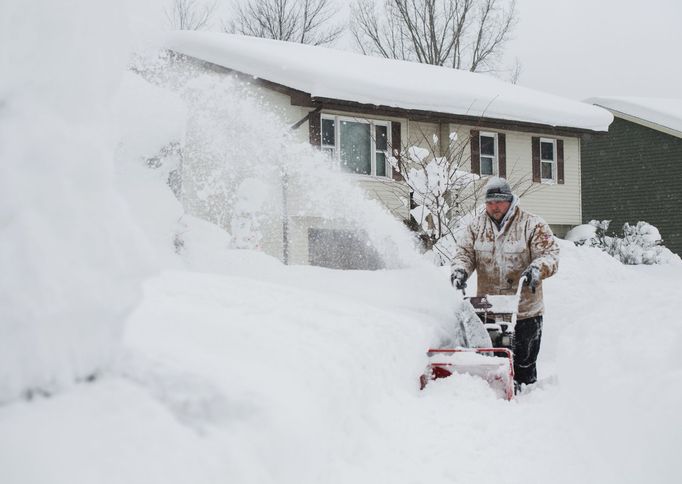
<point>518,301</point>
<point>522,281</point>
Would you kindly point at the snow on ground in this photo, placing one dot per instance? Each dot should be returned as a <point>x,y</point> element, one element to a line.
<point>301,374</point>
<point>235,368</point>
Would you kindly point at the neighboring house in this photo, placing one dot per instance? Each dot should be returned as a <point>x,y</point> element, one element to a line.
<point>634,173</point>
<point>361,110</point>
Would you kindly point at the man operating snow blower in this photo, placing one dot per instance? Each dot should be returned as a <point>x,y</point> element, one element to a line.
<point>505,244</point>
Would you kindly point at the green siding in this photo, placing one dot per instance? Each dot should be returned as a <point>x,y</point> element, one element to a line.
<point>634,173</point>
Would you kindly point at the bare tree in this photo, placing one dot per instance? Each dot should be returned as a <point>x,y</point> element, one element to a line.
<point>443,190</point>
<point>515,71</point>
<point>189,14</point>
<point>303,21</point>
<point>464,34</point>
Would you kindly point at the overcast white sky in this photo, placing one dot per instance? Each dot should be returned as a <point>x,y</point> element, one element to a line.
<point>585,48</point>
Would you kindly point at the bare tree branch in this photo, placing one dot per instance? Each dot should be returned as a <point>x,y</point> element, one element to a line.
<point>464,34</point>
<point>303,21</point>
<point>189,14</point>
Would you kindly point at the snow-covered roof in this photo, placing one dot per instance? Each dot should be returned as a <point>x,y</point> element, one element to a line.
<point>666,113</point>
<point>336,74</point>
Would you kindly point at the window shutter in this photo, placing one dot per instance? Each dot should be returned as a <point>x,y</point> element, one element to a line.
<point>560,161</point>
<point>475,143</point>
<point>396,144</point>
<point>502,154</point>
<point>535,143</point>
<point>314,126</point>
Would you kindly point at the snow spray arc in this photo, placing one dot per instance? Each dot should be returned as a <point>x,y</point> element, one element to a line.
<point>248,171</point>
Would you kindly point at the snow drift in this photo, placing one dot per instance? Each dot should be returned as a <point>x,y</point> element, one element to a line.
<point>72,259</point>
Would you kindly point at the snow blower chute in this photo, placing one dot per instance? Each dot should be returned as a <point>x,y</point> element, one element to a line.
<point>482,345</point>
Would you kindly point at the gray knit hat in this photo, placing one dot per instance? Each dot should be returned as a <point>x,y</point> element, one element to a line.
<point>498,189</point>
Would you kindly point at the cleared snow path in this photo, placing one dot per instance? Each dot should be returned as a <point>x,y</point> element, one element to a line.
<point>302,375</point>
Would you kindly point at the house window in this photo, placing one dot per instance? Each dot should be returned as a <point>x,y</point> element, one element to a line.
<point>357,145</point>
<point>488,144</point>
<point>547,159</point>
<point>328,137</point>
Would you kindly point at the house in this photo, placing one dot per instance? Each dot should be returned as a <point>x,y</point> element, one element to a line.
<point>361,110</point>
<point>634,173</point>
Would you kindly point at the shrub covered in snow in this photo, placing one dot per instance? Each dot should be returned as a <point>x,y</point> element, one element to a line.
<point>639,244</point>
<point>441,188</point>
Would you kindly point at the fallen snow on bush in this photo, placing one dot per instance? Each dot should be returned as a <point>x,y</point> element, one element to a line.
<point>639,244</point>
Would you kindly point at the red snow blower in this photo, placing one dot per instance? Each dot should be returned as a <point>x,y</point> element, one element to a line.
<point>485,327</point>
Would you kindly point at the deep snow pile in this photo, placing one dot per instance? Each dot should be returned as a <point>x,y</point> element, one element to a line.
<point>72,258</point>
<point>301,374</point>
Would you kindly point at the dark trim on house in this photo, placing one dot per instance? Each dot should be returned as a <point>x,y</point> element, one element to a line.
<point>437,117</point>
<point>396,149</point>
<point>305,118</point>
<point>475,145</point>
<point>502,155</point>
<point>315,128</point>
<point>535,158</point>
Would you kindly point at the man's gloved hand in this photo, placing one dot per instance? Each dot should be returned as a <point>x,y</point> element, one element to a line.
<point>459,279</point>
<point>531,277</point>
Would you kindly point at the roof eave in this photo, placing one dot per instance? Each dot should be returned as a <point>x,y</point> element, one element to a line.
<point>301,98</point>
<point>643,122</point>
<point>440,117</point>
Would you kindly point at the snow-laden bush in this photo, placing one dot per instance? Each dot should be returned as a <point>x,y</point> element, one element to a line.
<point>441,188</point>
<point>639,244</point>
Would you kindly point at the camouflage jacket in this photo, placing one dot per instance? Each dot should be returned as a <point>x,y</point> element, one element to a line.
<point>500,255</point>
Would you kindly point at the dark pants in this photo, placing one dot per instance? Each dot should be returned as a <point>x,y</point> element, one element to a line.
<point>527,337</point>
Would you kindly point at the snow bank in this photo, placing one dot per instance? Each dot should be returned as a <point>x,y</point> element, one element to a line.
<point>281,374</point>
<point>335,74</point>
<point>71,256</point>
<point>581,234</point>
<point>617,363</point>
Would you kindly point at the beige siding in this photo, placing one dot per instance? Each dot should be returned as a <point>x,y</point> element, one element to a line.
<point>423,135</point>
<point>558,204</point>
<point>392,194</point>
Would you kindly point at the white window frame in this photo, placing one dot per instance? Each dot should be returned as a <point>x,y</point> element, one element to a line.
<point>496,157</point>
<point>553,162</point>
<point>336,158</point>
